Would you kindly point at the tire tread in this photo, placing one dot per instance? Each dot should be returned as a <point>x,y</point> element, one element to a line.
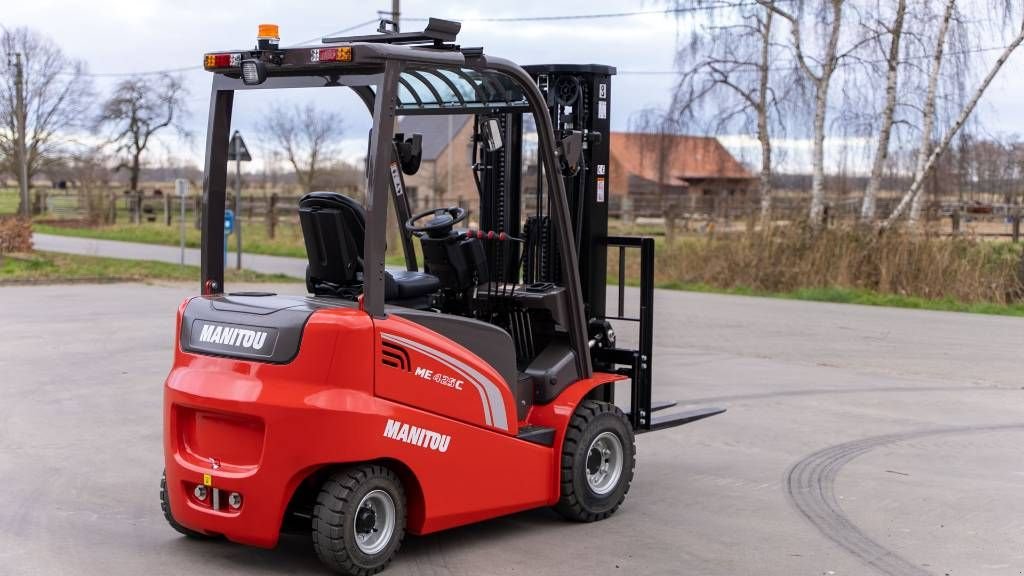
<point>328,518</point>
<point>570,505</point>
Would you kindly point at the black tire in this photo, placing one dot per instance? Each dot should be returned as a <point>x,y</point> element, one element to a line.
<point>579,501</point>
<point>165,505</point>
<point>337,514</point>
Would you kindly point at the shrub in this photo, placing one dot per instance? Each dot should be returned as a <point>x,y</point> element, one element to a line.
<point>790,258</point>
<point>15,235</point>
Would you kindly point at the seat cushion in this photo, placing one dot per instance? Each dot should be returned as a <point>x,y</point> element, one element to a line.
<point>403,284</point>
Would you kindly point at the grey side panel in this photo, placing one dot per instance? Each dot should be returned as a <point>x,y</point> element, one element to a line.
<point>552,371</point>
<point>263,328</point>
<point>487,341</point>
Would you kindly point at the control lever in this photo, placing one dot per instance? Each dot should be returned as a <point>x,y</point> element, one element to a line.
<point>492,235</point>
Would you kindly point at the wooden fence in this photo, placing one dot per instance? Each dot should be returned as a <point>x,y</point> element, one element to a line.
<point>687,213</point>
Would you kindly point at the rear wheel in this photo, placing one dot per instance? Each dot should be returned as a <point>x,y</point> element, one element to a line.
<point>359,520</point>
<point>165,505</point>
<point>598,457</point>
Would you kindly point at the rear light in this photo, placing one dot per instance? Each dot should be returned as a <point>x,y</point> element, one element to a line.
<point>231,60</point>
<point>339,54</point>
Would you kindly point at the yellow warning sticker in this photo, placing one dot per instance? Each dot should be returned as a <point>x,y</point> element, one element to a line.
<point>207,480</point>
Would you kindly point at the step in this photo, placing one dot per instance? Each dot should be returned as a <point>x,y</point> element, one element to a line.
<point>537,434</point>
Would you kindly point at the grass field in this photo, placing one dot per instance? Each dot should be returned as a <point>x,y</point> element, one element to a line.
<point>8,201</point>
<point>287,241</point>
<point>48,267</point>
<point>862,297</point>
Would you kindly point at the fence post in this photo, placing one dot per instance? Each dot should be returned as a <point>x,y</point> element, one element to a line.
<point>627,209</point>
<point>955,219</point>
<point>272,215</point>
<point>671,213</point>
<point>113,207</point>
<point>1015,219</point>
<point>167,209</point>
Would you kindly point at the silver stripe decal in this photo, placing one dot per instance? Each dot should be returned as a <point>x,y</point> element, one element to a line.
<point>487,412</point>
<point>479,389</point>
<point>493,397</point>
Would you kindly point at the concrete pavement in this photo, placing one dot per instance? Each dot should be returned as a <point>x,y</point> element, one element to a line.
<point>295,267</point>
<point>858,441</point>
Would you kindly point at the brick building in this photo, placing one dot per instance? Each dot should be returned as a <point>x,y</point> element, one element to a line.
<point>690,168</point>
<point>446,173</point>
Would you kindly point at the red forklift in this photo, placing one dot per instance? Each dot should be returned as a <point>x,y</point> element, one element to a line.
<point>393,401</point>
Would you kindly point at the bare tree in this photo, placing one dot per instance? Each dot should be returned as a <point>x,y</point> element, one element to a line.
<point>965,114</point>
<point>307,136</point>
<point>58,93</point>
<point>819,72</point>
<point>138,108</point>
<point>892,63</point>
<point>729,72</point>
<point>928,110</point>
<point>90,173</point>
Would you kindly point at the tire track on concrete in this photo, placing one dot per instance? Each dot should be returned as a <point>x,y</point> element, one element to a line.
<point>810,485</point>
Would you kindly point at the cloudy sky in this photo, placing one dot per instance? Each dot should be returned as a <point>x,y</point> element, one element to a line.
<point>125,36</point>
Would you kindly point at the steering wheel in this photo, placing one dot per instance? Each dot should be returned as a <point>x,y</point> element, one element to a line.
<point>440,224</point>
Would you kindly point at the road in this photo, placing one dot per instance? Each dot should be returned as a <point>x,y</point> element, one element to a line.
<point>294,267</point>
<point>858,441</point>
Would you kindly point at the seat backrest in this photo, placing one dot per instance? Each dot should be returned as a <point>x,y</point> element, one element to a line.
<point>333,227</point>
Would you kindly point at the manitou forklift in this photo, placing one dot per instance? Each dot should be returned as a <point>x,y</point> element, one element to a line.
<point>392,401</point>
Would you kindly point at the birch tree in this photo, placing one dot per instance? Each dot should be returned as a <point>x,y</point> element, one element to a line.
<point>729,71</point>
<point>892,63</point>
<point>928,109</point>
<point>916,186</point>
<point>819,72</point>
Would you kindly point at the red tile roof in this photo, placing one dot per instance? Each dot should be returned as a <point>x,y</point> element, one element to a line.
<point>688,158</point>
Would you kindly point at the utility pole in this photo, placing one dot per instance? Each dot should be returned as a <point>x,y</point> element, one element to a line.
<point>22,116</point>
<point>395,13</point>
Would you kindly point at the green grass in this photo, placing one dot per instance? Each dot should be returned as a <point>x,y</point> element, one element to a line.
<point>48,267</point>
<point>287,241</point>
<point>8,200</point>
<point>862,297</point>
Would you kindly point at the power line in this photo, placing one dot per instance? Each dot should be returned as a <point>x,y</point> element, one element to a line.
<point>142,73</point>
<point>329,34</point>
<point>593,16</point>
<point>646,72</point>
<point>525,19</point>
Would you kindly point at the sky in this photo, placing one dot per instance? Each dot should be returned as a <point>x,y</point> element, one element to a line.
<point>127,36</point>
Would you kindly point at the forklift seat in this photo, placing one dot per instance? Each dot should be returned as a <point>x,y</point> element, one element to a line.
<point>333,228</point>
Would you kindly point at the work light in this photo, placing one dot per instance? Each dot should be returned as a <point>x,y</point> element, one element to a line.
<point>253,72</point>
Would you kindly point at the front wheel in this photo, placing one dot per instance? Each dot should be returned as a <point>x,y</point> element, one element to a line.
<point>598,457</point>
<point>359,520</point>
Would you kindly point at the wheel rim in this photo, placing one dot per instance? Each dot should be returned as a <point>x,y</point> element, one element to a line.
<point>374,522</point>
<point>604,463</point>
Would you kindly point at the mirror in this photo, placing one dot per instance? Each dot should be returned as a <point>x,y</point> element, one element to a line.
<point>410,152</point>
<point>492,134</point>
